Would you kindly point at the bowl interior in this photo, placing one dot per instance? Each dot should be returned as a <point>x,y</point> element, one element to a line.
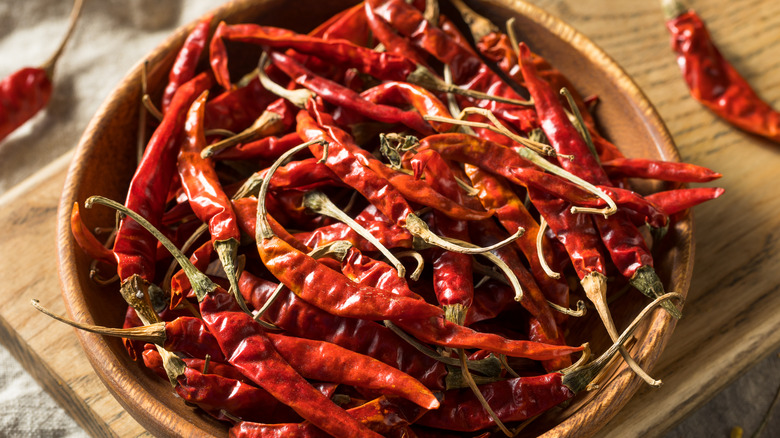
<point>105,161</point>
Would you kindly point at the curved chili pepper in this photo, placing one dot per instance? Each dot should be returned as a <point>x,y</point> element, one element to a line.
<point>403,93</point>
<point>87,241</point>
<point>393,43</point>
<point>180,284</point>
<point>332,291</point>
<point>337,94</point>
<point>350,170</point>
<point>135,248</point>
<point>504,161</point>
<point>675,201</point>
<point>200,181</point>
<point>406,187</point>
<point>184,67</point>
<point>302,319</point>
<point>350,25</point>
<point>268,148</point>
<point>324,361</point>
<point>712,80</point>
<point>390,235</point>
<point>246,211</point>
<point>661,170</point>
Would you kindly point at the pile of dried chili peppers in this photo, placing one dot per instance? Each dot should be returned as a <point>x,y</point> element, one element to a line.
<point>377,244</point>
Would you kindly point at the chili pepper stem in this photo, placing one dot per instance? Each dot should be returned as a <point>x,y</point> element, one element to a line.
<point>418,258</point>
<point>297,97</point>
<point>479,26</point>
<point>269,123</point>
<point>609,210</point>
<point>579,124</point>
<point>578,379</point>
<point>646,280</point>
<point>475,389</point>
<point>263,229</point>
<point>152,333</point>
<point>673,8</point>
<point>455,313</point>
<point>318,202</point>
<point>227,250</point>
<point>424,78</point>
<point>540,250</point>
<point>419,228</point>
<point>50,63</point>
<point>595,285</point>
<point>201,284</point>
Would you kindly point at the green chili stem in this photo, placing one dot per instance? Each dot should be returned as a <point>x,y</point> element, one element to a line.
<point>201,283</point>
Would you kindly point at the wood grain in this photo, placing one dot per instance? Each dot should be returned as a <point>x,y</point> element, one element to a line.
<point>730,320</point>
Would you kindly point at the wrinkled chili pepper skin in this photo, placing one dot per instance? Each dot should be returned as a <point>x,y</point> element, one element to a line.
<point>715,83</point>
<point>660,170</point>
<point>675,201</point>
<point>184,67</point>
<point>332,291</point>
<point>249,349</point>
<point>382,65</point>
<point>365,270</point>
<point>135,248</point>
<point>404,93</point>
<point>22,95</point>
<point>389,235</point>
<point>324,361</point>
<point>512,400</point>
<point>189,335</point>
<point>214,392</point>
<point>200,181</point>
<point>268,148</point>
<point>236,109</point>
<point>337,94</point>
<point>301,319</point>
<point>620,236</point>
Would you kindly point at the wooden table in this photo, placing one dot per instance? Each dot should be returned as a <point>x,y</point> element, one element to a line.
<point>731,319</point>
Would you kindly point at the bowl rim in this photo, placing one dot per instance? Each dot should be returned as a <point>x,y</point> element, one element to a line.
<point>585,421</point>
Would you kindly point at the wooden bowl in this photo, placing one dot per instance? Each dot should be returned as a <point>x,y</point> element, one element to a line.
<point>105,160</point>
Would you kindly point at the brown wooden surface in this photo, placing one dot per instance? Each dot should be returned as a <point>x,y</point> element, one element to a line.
<point>730,318</point>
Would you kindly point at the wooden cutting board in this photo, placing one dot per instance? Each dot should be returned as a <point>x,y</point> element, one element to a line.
<point>731,319</point>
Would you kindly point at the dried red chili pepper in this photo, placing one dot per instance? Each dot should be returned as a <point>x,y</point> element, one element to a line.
<point>660,170</point>
<point>247,347</point>
<point>302,319</point>
<point>184,67</point>
<point>134,247</point>
<point>28,90</point>
<point>402,93</point>
<point>268,148</point>
<point>337,94</point>
<point>238,108</point>
<point>205,194</point>
<point>712,80</point>
<point>390,235</point>
<point>675,201</point>
<point>87,241</point>
<point>324,361</point>
<point>365,270</point>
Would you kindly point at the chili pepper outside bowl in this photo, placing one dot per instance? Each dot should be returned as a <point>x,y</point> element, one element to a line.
<point>105,160</point>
